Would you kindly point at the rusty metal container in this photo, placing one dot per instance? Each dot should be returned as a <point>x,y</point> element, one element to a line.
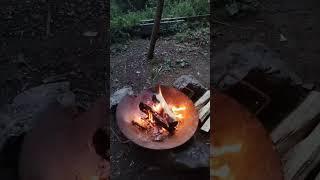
<point>240,146</point>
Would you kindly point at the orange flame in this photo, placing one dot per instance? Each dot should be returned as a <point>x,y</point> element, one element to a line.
<point>177,111</point>
<point>157,108</point>
<point>150,116</point>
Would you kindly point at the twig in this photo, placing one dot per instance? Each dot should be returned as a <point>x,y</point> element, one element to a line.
<point>158,72</point>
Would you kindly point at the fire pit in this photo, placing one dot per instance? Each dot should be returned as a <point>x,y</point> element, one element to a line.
<point>158,118</point>
<point>241,148</point>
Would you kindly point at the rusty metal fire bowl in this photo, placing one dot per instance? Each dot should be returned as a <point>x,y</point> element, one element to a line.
<point>128,110</point>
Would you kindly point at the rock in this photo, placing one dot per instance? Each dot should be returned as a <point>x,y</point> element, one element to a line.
<point>240,58</point>
<point>18,117</point>
<point>184,80</point>
<point>308,86</point>
<point>190,86</point>
<point>194,156</point>
<point>119,94</point>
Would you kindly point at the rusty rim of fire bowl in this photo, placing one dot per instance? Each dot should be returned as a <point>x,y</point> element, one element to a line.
<point>256,157</point>
<point>128,109</point>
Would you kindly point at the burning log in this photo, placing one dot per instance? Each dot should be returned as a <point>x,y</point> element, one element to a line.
<point>165,105</point>
<point>139,124</point>
<point>165,122</point>
<point>147,110</point>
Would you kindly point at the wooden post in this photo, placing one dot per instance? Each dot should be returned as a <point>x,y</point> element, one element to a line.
<point>156,28</point>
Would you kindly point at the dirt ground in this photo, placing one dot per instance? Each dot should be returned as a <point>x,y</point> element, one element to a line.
<point>296,20</point>
<point>129,66</point>
<point>72,50</point>
<point>32,53</point>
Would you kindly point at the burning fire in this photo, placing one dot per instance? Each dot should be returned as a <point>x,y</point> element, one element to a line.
<point>176,111</point>
<point>160,117</point>
<point>157,108</point>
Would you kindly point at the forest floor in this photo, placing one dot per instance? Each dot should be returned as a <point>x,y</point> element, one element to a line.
<point>43,42</point>
<point>32,53</point>
<point>296,21</point>
<point>130,67</point>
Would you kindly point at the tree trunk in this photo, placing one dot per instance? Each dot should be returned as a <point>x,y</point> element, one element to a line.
<point>156,28</point>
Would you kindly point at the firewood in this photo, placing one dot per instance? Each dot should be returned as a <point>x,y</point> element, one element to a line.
<point>135,123</point>
<point>295,126</point>
<point>165,106</point>
<point>203,100</point>
<point>302,158</point>
<point>204,112</point>
<point>318,177</point>
<point>206,126</point>
<point>169,125</point>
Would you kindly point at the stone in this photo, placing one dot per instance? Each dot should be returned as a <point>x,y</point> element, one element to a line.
<point>308,86</point>
<point>119,94</point>
<point>18,117</point>
<point>184,80</point>
<point>239,58</point>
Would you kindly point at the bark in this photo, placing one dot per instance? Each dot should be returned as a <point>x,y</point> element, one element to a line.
<point>156,28</point>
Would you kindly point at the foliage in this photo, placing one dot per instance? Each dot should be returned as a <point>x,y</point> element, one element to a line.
<point>197,35</point>
<point>123,18</point>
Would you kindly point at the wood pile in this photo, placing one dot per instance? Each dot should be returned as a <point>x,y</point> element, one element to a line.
<point>297,139</point>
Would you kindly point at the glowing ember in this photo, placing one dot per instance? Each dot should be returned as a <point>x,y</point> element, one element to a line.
<point>160,118</point>
<point>177,111</point>
<point>157,108</point>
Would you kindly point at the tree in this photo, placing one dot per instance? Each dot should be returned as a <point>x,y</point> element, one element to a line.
<point>156,28</point>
